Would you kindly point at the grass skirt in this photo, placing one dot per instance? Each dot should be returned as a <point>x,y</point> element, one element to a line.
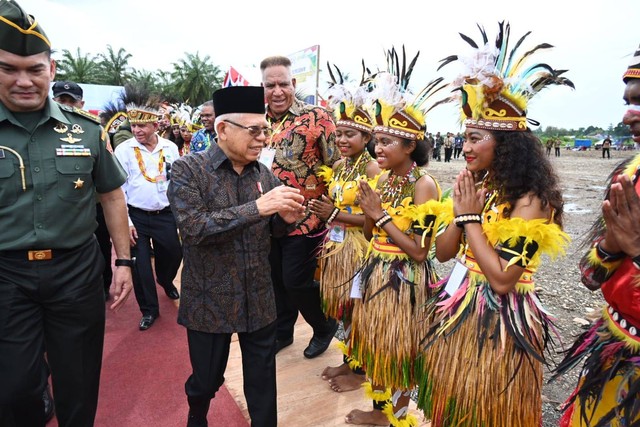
<point>340,261</point>
<point>388,321</point>
<point>466,384</point>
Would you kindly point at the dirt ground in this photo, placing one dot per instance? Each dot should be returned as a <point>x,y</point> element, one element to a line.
<point>583,176</point>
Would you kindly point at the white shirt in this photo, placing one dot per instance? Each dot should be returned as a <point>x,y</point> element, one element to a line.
<point>139,191</point>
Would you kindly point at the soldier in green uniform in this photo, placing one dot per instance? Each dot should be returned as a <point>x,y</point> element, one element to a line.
<point>53,161</point>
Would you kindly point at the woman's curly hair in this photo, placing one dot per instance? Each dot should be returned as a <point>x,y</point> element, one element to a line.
<point>520,167</point>
<point>421,153</point>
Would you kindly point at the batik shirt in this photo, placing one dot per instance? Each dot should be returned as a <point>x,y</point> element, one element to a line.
<point>226,279</point>
<point>304,140</point>
<point>201,140</point>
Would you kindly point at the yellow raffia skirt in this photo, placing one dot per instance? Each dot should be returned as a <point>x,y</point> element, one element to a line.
<point>340,261</point>
<point>386,325</point>
<point>466,386</point>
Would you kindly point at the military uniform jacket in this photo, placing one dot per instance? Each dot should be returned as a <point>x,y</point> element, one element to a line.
<point>65,161</point>
<point>226,277</point>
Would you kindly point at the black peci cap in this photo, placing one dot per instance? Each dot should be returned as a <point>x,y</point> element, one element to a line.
<point>239,99</point>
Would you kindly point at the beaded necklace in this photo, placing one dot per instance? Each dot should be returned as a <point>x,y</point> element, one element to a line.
<point>143,168</point>
<point>350,168</point>
<point>350,171</point>
<point>392,188</point>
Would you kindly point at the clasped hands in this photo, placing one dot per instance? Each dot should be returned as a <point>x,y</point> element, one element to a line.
<point>621,213</point>
<point>466,198</point>
<point>370,201</point>
<point>285,201</point>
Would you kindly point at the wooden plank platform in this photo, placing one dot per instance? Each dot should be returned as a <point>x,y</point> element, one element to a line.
<point>304,398</point>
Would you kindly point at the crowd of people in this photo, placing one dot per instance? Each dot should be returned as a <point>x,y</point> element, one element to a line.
<point>276,208</point>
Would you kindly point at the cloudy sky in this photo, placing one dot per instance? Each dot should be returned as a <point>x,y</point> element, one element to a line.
<point>593,39</point>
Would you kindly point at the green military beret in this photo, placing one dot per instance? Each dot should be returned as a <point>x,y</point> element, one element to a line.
<point>20,33</point>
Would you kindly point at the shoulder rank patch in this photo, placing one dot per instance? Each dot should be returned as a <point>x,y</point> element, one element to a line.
<point>86,114</point>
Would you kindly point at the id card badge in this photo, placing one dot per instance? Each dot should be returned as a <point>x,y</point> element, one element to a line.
<point>161,184</point>
<point>266,156</point>
<point>336,233</point>
<point>356,287</point>
<point>456,278</point>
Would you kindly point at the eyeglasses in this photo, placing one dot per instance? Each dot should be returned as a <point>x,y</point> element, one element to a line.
<point>254,131</point>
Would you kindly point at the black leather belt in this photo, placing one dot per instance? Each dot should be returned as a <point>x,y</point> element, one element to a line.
<point>161,211</point>
<point>35,254</point>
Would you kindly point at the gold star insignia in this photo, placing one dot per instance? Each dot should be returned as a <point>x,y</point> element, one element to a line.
<point>79,183</point>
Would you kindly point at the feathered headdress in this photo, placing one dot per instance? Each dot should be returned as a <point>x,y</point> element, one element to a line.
<point>497,84</point>
<point>633,72</point>
<point>394,109</point>
<point>185,115</point>
<point>115,111</point>
<point>142,114</point>
<point>348,106</point>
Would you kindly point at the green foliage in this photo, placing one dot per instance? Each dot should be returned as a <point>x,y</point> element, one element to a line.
<point>192,79</point>
<point>79,68</point>
<point>195,79</point>
<point>114,67</point>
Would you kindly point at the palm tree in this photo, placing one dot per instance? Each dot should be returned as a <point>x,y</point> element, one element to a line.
<point>145,79</point>
<point>114,66</point>
<point>80,69</point>
<point>195,78</point>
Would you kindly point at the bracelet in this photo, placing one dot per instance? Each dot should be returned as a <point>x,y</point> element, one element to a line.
<point>385,219</point>
<point>636,262</point>
<point>122,262</point>
<point>461,220</point>
<point>334,214</point>
<point>608,256</point>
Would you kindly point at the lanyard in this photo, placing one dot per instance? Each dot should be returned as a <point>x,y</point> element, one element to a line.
<point>277,129</point>
<point>143,168</point>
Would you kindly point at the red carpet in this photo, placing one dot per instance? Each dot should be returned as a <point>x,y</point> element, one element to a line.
<point>143,373</point>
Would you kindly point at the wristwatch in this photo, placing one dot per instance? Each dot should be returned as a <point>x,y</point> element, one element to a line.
<point>122,262</point>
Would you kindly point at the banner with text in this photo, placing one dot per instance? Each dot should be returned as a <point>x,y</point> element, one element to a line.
<point>305,69</point>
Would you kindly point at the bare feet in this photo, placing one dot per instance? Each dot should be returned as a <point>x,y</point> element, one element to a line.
<point>332,372</point>
<point>375,417</point>
<point>346,382</point>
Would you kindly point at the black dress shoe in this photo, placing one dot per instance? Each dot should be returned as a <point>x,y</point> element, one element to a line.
<point>172,292</point>
<point>146,322</point>
<point>280,344</point>
<point>319,344</point>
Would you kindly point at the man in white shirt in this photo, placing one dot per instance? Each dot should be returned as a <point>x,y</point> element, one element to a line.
<point>147,160</point>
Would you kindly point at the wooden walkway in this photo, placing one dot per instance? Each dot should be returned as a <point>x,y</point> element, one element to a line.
<point>304,398</point>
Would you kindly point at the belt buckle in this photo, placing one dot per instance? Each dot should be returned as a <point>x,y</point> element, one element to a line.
<point>41,255</point>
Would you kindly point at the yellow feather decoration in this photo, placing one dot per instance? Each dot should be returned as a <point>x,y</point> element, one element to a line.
<point>418,213</point>
<point>596,261</point>
<point>632,167</point>
<point>377,395</point>
<point>325,173</point>
<point>446,216</point>
<point>615,330</point>
<point>408,421</point>
<point>551,240</point>
<point>353,363</point>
